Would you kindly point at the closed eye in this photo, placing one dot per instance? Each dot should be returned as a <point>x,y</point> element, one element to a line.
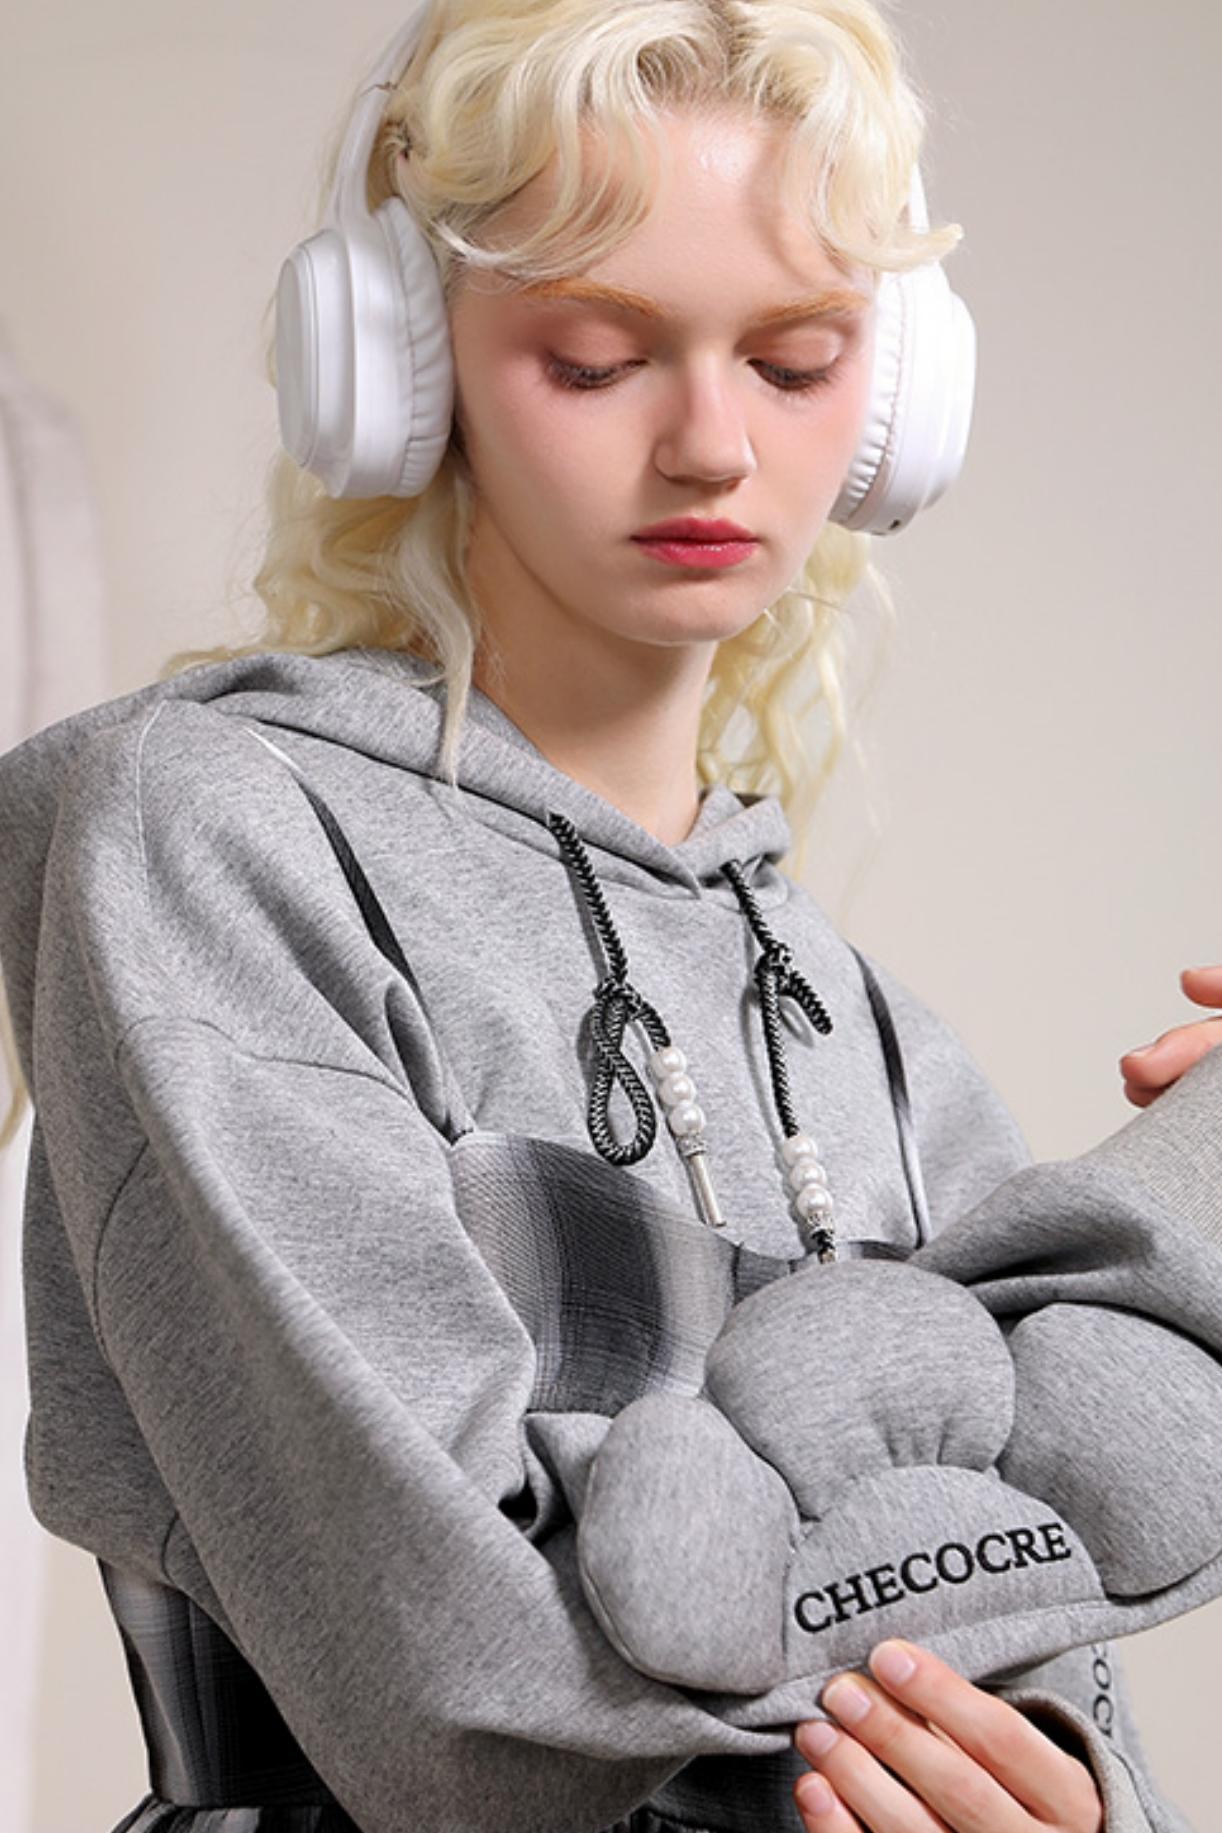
<point>786,381</point>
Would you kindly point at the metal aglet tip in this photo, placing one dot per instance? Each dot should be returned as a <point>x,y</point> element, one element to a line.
<point>696,1158</point>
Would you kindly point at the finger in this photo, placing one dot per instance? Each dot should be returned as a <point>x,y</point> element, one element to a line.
<point>1203,985</point>
<point>1149,1070</point>
<point>1030,1767</point>
<point>821,1809</point>
<point>946,1785</point>
<point>1174,1051</point>
<point>863,1786</point>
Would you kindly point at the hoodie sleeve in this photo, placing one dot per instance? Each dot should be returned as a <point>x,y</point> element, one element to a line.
<point>328,1380</point>
<point>1166,1156</point>
<point>1165,1162</point>
<point>1131,1801</point>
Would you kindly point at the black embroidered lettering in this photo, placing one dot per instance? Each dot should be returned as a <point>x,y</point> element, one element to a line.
<point>1054,1540</point>
<point>800,1613</point>
<point>853,1583</point>
<point>952,1578</point>
<point>1103,1706</point>
<point>1022,1539</point>
<point>881,1576</point>
<point>952,1563</point>
<point>980,1546</point>
<point>910,1582</point>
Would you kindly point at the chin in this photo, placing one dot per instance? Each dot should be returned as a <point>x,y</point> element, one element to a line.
<point>694,624</point>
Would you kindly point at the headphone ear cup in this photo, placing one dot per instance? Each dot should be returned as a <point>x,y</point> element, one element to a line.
<point>914,437</point>
<point>364,368</point>
<point>314,354</point>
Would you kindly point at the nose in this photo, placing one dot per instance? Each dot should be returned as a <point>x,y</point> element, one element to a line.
<point>704,433</point>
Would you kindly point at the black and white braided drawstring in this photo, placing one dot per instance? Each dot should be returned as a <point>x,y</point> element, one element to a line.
<point>616,1000</point>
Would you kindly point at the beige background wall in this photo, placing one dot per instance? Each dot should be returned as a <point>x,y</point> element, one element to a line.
<point>1044,751</point>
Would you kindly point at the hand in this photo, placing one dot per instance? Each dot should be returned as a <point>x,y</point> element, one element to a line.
<point>974,1762</point>
<point>1146,1074</point>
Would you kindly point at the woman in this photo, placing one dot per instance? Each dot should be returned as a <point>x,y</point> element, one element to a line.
<point>329,1298</point>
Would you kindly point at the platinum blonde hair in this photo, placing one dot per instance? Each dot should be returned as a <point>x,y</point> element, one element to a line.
<point>496,90</point>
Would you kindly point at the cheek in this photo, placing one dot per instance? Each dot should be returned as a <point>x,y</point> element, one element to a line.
<point>815,450</point>
<point>827,443</point>
<point>531,428</point>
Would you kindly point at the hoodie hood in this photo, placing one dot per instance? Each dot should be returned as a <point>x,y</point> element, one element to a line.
<point>381,703</point>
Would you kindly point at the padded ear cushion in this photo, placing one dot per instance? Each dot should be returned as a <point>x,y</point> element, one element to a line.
<point>891,308</point>
<point>916,428</point>
<point>423,354</point>
<point>1136,1472</point>
<point>722,1560</point>
<point>854,1367</point>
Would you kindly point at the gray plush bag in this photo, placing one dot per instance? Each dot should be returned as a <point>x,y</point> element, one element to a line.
<point>1006,1446</point>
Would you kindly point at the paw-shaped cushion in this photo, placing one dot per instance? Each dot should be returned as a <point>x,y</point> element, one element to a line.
<point>873,1454</point>
<point>1118,1424</point>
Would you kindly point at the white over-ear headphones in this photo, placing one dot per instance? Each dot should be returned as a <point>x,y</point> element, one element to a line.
<point>365,369</point>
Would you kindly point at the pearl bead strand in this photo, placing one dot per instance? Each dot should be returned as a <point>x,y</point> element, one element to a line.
<point>685,1117</point>
<point>812,1200</point>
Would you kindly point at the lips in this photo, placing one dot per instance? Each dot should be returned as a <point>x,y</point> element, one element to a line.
<point>692,528</point>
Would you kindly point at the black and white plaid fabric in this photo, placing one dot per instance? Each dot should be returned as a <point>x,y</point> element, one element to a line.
<point>216,1743</point>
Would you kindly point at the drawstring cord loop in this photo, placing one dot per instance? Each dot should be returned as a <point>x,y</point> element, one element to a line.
<point>616,1000</point>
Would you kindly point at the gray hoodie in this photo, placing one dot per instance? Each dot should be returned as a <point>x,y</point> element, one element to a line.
<point>327,1429</point>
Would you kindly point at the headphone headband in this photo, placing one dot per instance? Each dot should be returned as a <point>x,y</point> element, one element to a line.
<point>348,191</point>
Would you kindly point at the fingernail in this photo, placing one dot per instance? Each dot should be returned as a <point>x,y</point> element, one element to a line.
<point>815,1795</point>
<point>1144,1051</point>
<point>891,1661</point>
<point>846,1700</point>
<point>816,1738</point>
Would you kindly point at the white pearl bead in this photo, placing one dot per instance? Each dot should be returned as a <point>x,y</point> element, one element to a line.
<point>688,1117</point>
<point>798,1145</point>
<point>813,1201</point>
<point>666,1061</point>
<point>675,1088</point>
<point>806,1171</point>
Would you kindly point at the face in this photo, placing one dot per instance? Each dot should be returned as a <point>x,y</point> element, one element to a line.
<point>585,421</point>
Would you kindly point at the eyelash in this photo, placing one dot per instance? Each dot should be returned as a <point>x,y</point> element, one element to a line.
<point>585,380</point>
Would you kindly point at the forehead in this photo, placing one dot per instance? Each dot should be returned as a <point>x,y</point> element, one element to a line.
<point>714,218</point>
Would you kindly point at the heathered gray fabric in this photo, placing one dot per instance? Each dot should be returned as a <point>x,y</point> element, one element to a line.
<point>934,1386</point>
<point>269,1363</point>
<point>765,1534</point>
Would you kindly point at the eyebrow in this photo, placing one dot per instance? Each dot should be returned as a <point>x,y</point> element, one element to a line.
<point>833,302</point>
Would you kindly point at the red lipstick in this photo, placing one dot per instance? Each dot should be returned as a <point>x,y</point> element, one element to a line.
<point>696,541</point>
